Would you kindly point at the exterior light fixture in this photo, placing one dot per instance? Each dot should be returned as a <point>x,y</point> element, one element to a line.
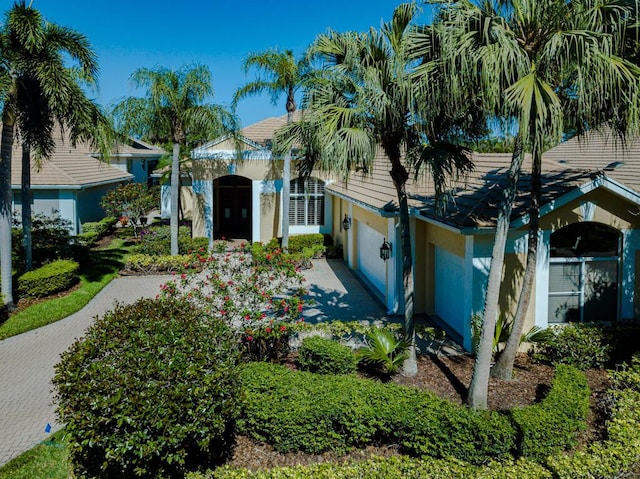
<point>346,222</point>
<point>385,250</point>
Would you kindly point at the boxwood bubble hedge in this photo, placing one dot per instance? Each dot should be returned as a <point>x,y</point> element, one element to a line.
<point>151,390</point>
<point>326,356</point>
<point>51,278</point>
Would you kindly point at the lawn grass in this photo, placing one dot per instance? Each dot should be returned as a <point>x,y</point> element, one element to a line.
<point>100,269</point>
<point>49,459</point>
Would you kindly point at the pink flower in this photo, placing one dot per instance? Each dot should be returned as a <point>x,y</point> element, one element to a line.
<point>247,317</point>
<point>249,338</point>
<point>300,308</point>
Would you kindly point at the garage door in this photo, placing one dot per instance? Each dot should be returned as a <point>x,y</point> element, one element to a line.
<point>369,262</point>
<point>449,284</point>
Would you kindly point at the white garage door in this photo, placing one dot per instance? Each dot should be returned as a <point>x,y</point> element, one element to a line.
<point>369,262</point>
<point>449,285</point>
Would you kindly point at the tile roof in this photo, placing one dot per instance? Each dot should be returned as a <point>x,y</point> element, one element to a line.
<point>262,131</point>
<point>472,202</point>
<point>75,167</point>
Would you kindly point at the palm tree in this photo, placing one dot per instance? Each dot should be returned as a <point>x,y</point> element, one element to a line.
<point>172,111</point>
<point>367,96</point>
<point>282,73</point>
<point>536,64</point>
<point>40,92</point>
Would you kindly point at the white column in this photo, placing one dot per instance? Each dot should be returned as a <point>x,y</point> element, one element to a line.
<point>395,290</point>
<point>541,292</point>
<point>350,233</point>
<point>256,195</point>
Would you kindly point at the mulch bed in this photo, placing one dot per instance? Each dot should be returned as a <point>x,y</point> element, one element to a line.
<point>448,377</point>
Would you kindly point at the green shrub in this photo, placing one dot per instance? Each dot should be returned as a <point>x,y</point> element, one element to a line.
<point>314,413</point>
<point>435,427</point>
<point>101,228</point>
<point>157,241</point>
<point>266,342</point>
<point>396,467</point>
<point>621,450</point>
<point>314,241</point>
<point>581,345</point>
<point>326,356</point>
<point>151,390</point>
<point>51,278</point>
<point>86,239</point>
<point>50,240</point>
<point>148,264</point>
<point>551,426</point>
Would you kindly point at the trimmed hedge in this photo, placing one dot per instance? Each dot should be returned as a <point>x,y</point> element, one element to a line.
<point>92,231</point>
<point>316,413</point>
<point>610,458</point>
<point>149,264</point>
<point>51,278</point>
<point>313,241</point>
<point>326,356</point>
<point>390,468</point>
<point>150,391</point>
<point>551,426</point>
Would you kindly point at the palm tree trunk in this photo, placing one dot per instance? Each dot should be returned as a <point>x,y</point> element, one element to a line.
<point>503,369</point>
<point>175,192</point>
<point>400,176</point>
<point>25,191</point>
<point>286,183</point>
<point>479,387</point>
<point>5,209</point>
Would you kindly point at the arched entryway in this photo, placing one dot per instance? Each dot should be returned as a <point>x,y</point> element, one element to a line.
<point>584,267</point>
<point>232,207</point>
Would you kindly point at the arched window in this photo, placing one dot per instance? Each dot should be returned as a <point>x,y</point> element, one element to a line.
<point>306,202</point>
<point>583,273</point>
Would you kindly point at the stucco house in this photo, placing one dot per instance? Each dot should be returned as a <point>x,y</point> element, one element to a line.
<point>73,180</point>
<point>590,237</point>
<point>234,189</point>
<point>590,226</point>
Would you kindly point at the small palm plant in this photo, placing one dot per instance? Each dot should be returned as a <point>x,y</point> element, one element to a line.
<point>384,351</point>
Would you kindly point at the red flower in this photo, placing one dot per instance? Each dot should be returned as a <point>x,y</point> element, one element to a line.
<point>249,338</point>
<point>283,328</point>
<point>268,330</point>
<point>299,307</point>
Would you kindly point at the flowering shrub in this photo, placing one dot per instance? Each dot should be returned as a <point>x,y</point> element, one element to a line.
<point>256,291</point>
<point>269,341</point>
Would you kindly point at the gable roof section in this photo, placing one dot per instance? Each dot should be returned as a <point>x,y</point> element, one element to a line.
<point>67,168</point>
<point>262,132</point>
<point>137,148</point>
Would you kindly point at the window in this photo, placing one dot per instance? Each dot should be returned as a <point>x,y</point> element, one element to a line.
<point>583,273</point>
<point>306,202</point>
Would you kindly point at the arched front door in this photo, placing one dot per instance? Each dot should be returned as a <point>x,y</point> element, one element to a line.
<point>232,211</point>
<point>584,273</point>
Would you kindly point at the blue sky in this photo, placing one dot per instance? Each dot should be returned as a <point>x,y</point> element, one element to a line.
<point>130,34</point>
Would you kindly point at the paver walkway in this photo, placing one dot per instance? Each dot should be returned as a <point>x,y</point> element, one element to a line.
<point>27,360</point>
